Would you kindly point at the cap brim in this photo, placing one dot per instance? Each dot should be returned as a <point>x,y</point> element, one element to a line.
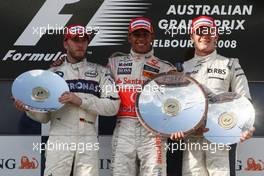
<point>77,35</point>
<point>141,27</point>
<point>202,25</point>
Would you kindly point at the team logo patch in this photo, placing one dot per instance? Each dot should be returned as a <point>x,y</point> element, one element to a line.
<point>91,73</point>
<point>153,62</point>
<point>150,69</point>
<point>125,59</point>
<point>124,71</point>
<point>125,64</point>
<point>84,86</point>
<point>216,71</point>
<point>149,75</point>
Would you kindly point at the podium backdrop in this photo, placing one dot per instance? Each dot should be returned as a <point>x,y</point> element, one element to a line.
<point>31,38</point>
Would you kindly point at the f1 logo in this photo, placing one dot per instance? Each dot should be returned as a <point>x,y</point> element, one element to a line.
<point>48,15</point>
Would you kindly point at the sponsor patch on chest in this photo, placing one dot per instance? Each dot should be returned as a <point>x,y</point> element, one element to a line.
<point>125,64</point>
<point>216,71</point>
<point>91,73</point>
<point>84,86</point>
<point>124,70</point>
<point>150,71</point>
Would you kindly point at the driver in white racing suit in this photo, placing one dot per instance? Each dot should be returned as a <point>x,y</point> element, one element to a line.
<point>72,136</point>
<point>135,149</point>
<point>219,75</point>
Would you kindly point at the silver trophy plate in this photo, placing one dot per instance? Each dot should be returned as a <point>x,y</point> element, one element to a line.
<point>227,120</point>
<point>170,103</point>
<point>39,90</point>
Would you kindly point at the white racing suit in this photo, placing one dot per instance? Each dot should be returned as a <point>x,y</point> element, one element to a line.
<point>72,136</point>
<point>219,74</point>
<point>135,149</point>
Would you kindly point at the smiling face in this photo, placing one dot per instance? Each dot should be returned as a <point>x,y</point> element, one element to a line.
<point>141,40</point>
<point>204,39</point>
